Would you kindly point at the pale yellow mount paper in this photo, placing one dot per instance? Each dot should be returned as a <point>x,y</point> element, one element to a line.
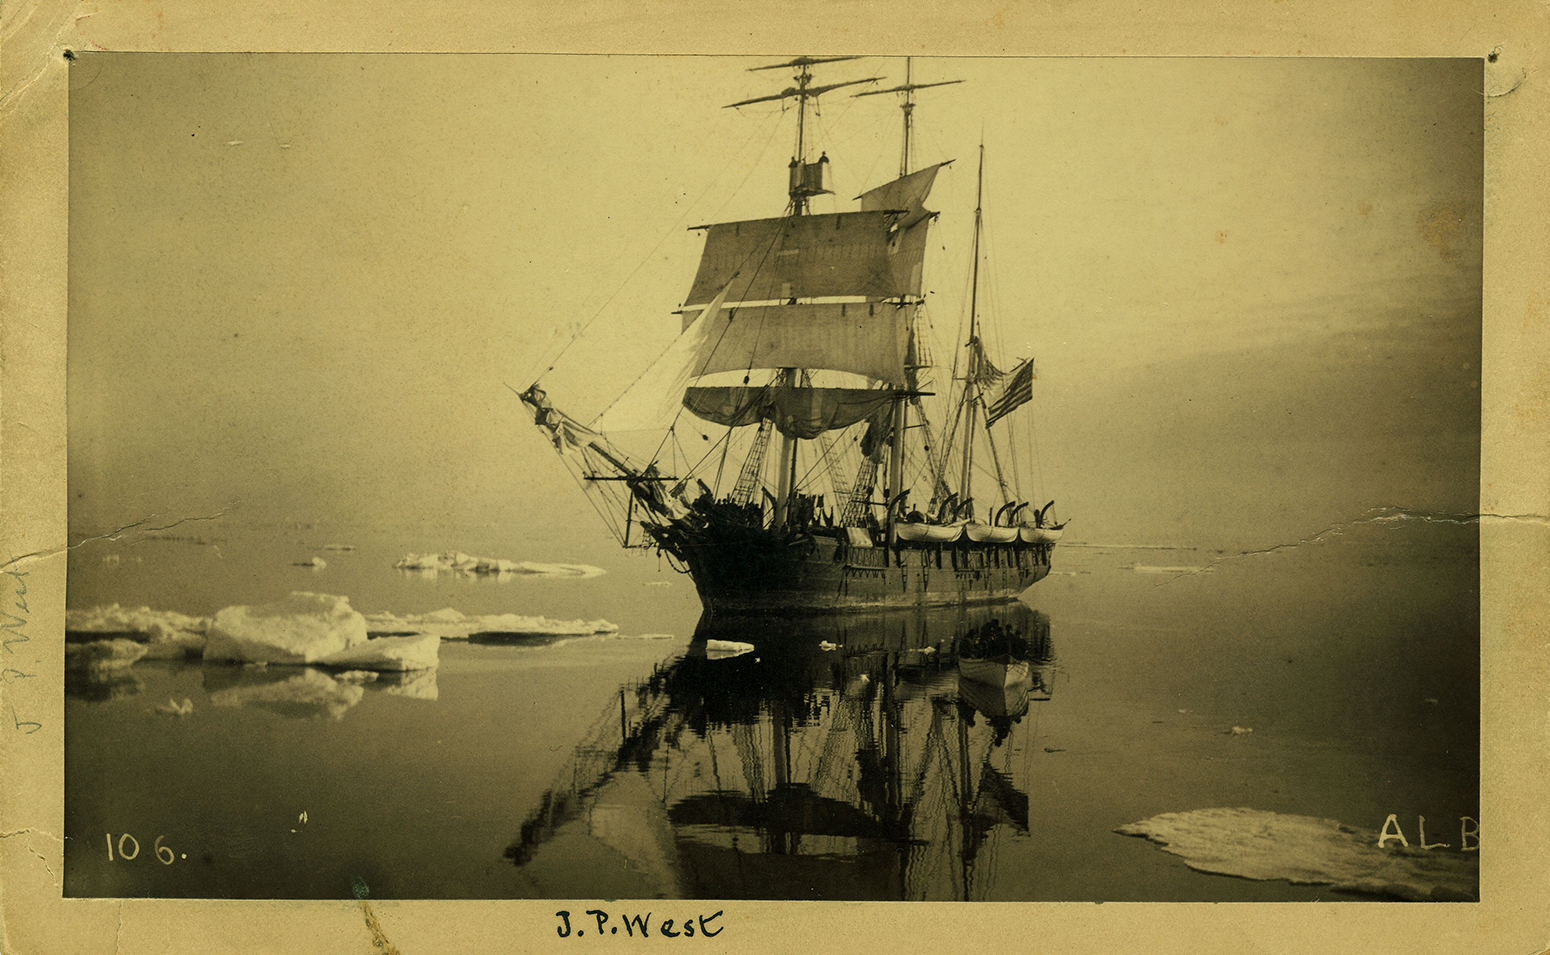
<point>1515,494</point>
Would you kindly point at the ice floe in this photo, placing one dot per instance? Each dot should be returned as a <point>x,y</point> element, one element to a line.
<point>165,633</point>
<point>389,653</point>
<point>449,624</point>
<point>320,629</point>
<point>1254,844</point>
<point>316,563</point>
<point>723,649</point>
<point>302,628</point>
<point>459,562</point>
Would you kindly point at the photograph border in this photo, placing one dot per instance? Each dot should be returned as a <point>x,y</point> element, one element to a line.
<point>1515,394</point>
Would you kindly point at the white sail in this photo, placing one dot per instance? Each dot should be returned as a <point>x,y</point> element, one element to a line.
<point>863,338</point>
<point>817,256</point>
<point>653,401</point>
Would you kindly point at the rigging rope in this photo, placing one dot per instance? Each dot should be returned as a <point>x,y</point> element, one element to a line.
<point>673,229</point>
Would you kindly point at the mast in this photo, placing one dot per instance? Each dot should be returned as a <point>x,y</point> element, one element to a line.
<point>901,409</point>
<point>908,106</point>
<point>806,180</point>
<point>971,384</point>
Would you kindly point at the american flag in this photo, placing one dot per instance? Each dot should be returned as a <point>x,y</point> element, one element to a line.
<point>1018,390</point>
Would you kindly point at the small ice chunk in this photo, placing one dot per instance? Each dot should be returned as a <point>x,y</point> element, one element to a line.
<point>826,645</point>
<point>724,649</point>
<point>1240,731</point>
<point>302,628</point>
<point>174,708</point>
<point>356,676</point>
<point>316,563</point>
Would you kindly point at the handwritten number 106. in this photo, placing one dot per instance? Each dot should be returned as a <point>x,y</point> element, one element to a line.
<point>129,847</point>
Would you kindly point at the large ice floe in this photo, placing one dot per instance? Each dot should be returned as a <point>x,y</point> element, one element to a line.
<point>302,628</point>
<point>459,562</point>
<point>1254,844</point>
<point>318,629</point>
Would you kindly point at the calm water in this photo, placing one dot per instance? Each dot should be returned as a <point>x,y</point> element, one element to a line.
<point>860,758</point>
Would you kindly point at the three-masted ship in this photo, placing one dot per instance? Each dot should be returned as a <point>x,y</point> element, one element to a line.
<point>801,337</point>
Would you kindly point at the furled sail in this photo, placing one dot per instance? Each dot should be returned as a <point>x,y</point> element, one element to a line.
<point>817,256</point>
<point>865,338</point>
<point>796,412</point>
<point>567,434</point>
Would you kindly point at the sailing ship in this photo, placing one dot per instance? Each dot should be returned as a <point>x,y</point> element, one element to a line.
<point>855,758</point>
<point>805,331</point>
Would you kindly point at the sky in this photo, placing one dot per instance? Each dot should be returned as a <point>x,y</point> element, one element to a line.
<point>299,284</point>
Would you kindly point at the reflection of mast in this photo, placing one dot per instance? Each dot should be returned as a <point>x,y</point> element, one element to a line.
<point>811,826</point>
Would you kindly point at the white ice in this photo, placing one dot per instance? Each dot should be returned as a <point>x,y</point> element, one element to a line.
<point>302,628</point>
<point>1254,844</point>
<point>449,624</point>
<point>388,653</point>
<point>459,562</point>
<point>168,634</point>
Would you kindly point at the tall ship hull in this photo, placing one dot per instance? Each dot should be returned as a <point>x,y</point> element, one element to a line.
<point>836,486</point>
<point>830,575</point>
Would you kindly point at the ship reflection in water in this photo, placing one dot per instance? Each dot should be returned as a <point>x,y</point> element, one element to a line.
<point>865,757</point>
